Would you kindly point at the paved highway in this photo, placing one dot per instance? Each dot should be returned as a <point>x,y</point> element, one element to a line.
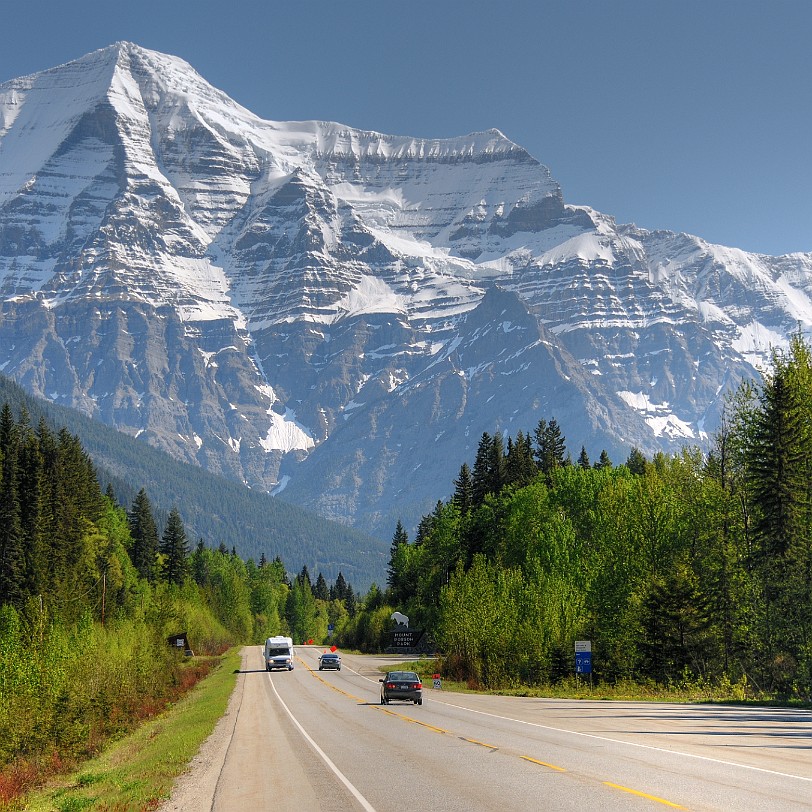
<point>310,740</point>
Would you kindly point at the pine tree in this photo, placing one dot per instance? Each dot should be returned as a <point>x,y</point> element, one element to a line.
<point>603,461</point>
<point>489,468</point>
<point>339,590</point>
<point>393,570</point>
<point>463,496</point>
<point>351,601</point>
<point>12,556</point>
<point>551,448</point>
<point>144,533</point>
<point>636,462</point>
<point>31,510</point>
<point>520,468</point>
<point>175,550</point>
<point>199,564</point>
<point>321,590</point>
<point>583,459</point>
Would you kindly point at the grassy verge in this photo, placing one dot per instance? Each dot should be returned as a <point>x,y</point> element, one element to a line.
<point>625,691</point>
<point>137,772</point>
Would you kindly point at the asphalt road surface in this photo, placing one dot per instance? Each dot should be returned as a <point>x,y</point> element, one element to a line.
<point>310,740</point>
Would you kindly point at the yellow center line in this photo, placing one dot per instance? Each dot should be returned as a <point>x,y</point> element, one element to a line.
<point>330,684</point>
<point>643,795</point>
<point>409,719</point>
<point>481,744</point>
<point>544,764</point>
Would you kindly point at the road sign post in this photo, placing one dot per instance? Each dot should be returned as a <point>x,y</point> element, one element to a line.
<point>583,658</point>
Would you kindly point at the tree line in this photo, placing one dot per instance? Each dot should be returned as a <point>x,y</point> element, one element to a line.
<point>220,510</point>
<point>685,566</point>
<point>90,591</point>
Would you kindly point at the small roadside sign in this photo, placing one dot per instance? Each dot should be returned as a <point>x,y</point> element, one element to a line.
<point>583,662</point>
<point>437,682</point>
<point>583,656</point>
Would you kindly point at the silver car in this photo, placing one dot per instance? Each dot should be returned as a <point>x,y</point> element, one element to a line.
<point>330,659</point>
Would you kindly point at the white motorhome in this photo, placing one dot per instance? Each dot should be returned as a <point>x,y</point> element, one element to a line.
<point>278,653</point>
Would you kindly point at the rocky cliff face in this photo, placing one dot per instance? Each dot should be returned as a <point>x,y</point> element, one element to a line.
<point>338,315</point>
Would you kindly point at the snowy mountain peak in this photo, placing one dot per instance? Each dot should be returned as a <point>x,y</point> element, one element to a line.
<point>298,304</point>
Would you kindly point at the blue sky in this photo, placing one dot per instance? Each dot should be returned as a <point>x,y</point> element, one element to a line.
<point>677,114</point>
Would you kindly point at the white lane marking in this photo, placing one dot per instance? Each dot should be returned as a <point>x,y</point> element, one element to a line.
<point>340,775</point>
<point>622,741</point>
<point>614,741</point>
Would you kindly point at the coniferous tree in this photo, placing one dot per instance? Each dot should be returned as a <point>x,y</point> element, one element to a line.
<point>144,533</point>
<point>321,591</point>
<point>49,505</point>
<point>551,447</point>
<point>603,461</point>
<point>175,550</point>
<point>339,589</point>
<point>778,451</point>
<point>480,479</point>
<point>489,467</point>
<point>463,496</point>
<point>12,556</point>
<point>351,601</point>
<point>199,564</point>
<point>394,569</point>
<point>31,510</point>
<point>583,459</point>
<point>636,462</point>
<point>520,467</point>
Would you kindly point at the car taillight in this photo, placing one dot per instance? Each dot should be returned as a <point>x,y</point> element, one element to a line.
<point>390,685</point>
<point>418,685</point>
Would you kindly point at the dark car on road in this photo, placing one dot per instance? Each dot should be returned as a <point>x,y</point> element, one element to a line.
<point>401,685</point>
<point>330,660</point>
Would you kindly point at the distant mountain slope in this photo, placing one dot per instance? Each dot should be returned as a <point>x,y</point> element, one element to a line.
<point>212,508</point>
<point>338,315</point>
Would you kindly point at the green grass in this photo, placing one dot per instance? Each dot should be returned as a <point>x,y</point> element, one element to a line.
<point>686,691</point>
<point>137,772</point>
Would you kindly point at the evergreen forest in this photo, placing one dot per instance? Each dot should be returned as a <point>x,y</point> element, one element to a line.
<point>686,568</point>
<point>92,591</point>
<point>217,509</point>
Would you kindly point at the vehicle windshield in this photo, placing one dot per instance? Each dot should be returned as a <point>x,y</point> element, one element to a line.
<point>403,676</point>
<point>329,656</point>
<point>276,652</point>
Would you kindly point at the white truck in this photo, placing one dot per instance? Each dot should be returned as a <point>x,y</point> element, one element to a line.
<point>278,653</point>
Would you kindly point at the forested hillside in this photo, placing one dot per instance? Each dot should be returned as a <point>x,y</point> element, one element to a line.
<point>90,592</point>
<point>686,567</point>
<point>215,509</point>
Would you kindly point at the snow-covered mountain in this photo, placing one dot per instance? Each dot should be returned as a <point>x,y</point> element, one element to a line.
<point>337,315</point>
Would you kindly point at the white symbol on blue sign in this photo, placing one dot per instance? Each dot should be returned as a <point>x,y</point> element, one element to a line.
<point>583,662</point>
